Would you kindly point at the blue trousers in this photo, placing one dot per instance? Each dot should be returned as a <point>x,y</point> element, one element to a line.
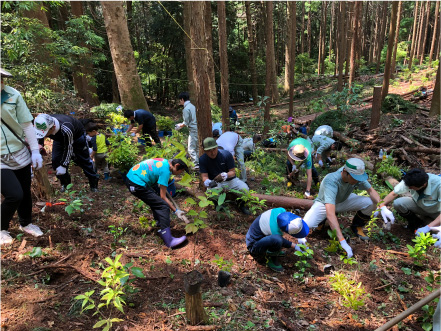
<point>271,243</point>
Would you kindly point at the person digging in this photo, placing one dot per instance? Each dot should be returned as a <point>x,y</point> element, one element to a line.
<point>265,240</point>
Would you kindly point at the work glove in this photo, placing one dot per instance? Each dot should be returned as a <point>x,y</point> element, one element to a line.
<point>133,134</point>
<point>90,151</point>
<point>60,171</point>
<point>424,229</point>
<point>320,162</point>
<point>347,248</point>
<point>37,160</point>
<point>178,126</point>
<point>437,236</point>
<point>207,182</point>
<point>435,228</point>
<point>387,215</point>
<point>181,215</point>
<point>294,167</point>
<point>307,195</point>
<point>301,241</point>
<point>224,176</point>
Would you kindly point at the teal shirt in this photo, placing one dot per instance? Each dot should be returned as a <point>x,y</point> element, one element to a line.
<point>430,199</point>
<point>150,172</point>
<point>322,143</point>
<point>334,190</point>
<point>307,144</point>
<point>14,112</point>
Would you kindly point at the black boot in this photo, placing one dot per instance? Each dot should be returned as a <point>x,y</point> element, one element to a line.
<point>64,181</point>
<point>358,222</point>
<point>243,208</point>
<point>413,221</point>
<point>93,183</point>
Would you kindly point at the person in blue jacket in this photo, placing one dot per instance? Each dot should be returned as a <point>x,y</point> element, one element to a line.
<point>264,238</point>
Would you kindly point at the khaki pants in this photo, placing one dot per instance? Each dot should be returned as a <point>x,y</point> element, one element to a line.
<point>101,162</point>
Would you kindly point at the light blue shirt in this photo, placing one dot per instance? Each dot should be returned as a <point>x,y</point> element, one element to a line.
<point>189,114</point>
<point>322,143</point>
<point>217,126</point>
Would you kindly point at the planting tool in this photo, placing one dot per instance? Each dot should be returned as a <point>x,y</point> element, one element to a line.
<point>49,204</point>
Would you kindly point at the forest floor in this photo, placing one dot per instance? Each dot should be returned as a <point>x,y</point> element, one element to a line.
<point>37,292</point>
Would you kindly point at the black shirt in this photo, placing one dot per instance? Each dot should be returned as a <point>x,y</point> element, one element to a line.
<point>144,117</point>
<point>223,162</point>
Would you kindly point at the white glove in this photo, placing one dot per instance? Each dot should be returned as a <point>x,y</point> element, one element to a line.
<point>90,150</point>
<point>133,134</point>
<point>376,213</point>
<point>437,244</point>
<point>60,171</point>
<point>387,215</point>
<point>207,183</point>
<point>347,248</point>
<point>320,163</point>
<point>179,126</point>
<point>301,241</point>
<point>224,176</point>
<point>181,215</point>
<point>435,228</point>
<point>37,160</point>
<point>294,167</point>
<point>307,194</point>
<point>424,229</point>
<point>437,236</point>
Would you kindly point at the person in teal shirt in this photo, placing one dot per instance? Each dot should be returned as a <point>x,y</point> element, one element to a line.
<point>141,182</point>
<point>299,153</point>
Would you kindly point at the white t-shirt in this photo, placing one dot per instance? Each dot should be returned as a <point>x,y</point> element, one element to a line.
<point>228,141</point>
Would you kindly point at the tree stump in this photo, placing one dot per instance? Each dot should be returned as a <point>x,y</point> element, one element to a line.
<point>193,298</point>
<point>43,186</point>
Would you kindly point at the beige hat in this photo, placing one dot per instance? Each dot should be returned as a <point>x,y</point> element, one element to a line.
<point>298,152</point>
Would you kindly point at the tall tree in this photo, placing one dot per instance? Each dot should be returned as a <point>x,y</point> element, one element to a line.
<point>435,107</point>
<point>83,72</point>
<point>419,38</point>
<point>292,53</point>
<point>322,40</point>
<point>188,46</point>
<point>129,82</point>
<point>390,49</point>
<point>200,73</point>
<point>302,34</point>
<point>224,80</point>
<point>209,43</point>
<point>380,36</point>
<point>342,44</point>
<point>270,56</point>
<point>251,51</point>
<point>435,33</point>
<point>358,5</point>
<point>308,27</point>
<point>269,64</point>
<point>414,35</point>
<point>397,34</point>
<point>425,32</point>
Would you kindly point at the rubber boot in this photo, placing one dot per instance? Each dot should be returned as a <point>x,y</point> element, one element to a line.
<point>169,240</point>
<point>413,221</point>
<point>107,176</point>
<point>357,225</point>
<point>243,208</point>
<point>273,263</point>
<point>93,183</point>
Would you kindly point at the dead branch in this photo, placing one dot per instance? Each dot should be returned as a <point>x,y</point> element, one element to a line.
<point>202,327</point>
<point>423,150</point>
<point>51,266</point>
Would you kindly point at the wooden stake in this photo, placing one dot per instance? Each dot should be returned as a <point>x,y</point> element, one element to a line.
<point>193,298</point>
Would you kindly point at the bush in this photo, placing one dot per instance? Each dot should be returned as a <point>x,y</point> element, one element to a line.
<point>394,103</point>
<point>104,109</point>
<point>123,153</point>
<point>335,118</point>
<point>164,123</point>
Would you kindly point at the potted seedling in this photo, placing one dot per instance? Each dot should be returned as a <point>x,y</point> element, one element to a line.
<point>165,124</point>
<point>123,154</point>
<point>224,275</point>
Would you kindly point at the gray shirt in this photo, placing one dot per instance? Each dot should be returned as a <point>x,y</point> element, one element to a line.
<point>189,114</point>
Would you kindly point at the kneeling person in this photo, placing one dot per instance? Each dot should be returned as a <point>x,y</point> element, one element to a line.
<point>265,235</point>
<point>141,180</point>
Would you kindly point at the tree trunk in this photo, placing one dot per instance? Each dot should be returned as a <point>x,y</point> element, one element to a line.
<point>225,95</point>
<point>269,63</point>
<point>350,30</point>
<point>302,34</point>
<point>129,83</point>
<point>322,39</point>
<point>434,34</point>
<point>376,108</point>
<point>420,31</point>
<point>209,43</point>
<point>357,17</point>
<point>188,46</point>
<point>397,33</point>
<point>414,35</point>
<point>390,49</point>
<point>292,53</point>
<point>380,36</point>
<point>375,33</point>
<point>331,31</point>
<point>252,51</point>
<point>285,202</point>
<point>194,307</point>
<point>44,187</point>
<point>200,74</point>
<point>83,72</point>
<point>308,27</point>
<point>270,56</point>
<point>425,32</point>
<point>288,45</point>
<point>342,47</point>
<point>435,108</point>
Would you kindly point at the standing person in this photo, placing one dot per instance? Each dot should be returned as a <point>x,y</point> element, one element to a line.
<point>232,142</point>
<point>323,146</point>
<point>233,118</point>
<point>425,191</point>
<point>69,144</point>
<point>189,115</point>
<point>299,153</point>
<point>324,130</point>
<point>16,125</point>
<point>142,179</point>
<point>218,170</point>
<point>264,238</point>
<point>249,145</point>
<point>335,196</point>
<point>99,144</point>
<point>146,124</point>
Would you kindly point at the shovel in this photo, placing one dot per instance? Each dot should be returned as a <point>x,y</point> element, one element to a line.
<point>49,204</point>
<point>174,204</point>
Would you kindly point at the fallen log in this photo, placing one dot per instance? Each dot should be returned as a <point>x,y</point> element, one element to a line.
<point>423,150</point>
<point>432,140</point>
<point>348,141</point>
<point>285,202</point>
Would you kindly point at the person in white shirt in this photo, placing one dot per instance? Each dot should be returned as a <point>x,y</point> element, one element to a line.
<point>189,115</point>
<point>249,145</point>
<point>232,142</point>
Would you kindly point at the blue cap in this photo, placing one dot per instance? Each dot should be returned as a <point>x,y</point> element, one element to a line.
<point>292,224</point>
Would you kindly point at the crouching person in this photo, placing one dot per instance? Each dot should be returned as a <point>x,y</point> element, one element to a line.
<point>142,179</point>
<point>264,238</point>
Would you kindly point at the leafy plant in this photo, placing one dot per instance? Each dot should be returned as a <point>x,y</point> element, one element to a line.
<point>36,252</point>
<point>334,244</point>
<point>72,205</point>
<point>124,153</point>
<point>254,204</point>
<point>198,217</point>
<point>418,252</point>
<point>164,123</point>
<point>387,166</point>
<point>225,265</point>
<point>354,295</point>
<point>117,232</point>
<point>146,223</point>
<point>218,197</point>
<point>105,109</point>
<point>302,264</point>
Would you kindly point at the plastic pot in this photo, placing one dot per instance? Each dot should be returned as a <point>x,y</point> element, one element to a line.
<point>223,278</point>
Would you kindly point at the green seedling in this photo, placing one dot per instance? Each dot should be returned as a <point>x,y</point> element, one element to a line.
<point>353,295</point>
<point>198,217</point>
<point>146,223</point>
<point>117,232</point>
<point>302,264</point>
<point>418,252</point>
<point>225,265</point>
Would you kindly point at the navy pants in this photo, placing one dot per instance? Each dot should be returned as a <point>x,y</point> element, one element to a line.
<point>271,243</point>
<point>315,177</point>
<point>160,208</point>
<point>81,158</point>
<point>16,188</point>
<point>247,155</point>
<point>153,133</point>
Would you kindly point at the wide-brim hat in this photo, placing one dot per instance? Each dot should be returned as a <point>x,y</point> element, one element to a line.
<point>356,168</point>
<point>5,73</point>
<point>298,152</point>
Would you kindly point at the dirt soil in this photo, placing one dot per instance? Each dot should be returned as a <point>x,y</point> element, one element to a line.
<point>37,293</point>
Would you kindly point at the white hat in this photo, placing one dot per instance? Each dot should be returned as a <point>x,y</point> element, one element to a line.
<point>298,152</point>
<point>42,124</point>
<point>355,167</point>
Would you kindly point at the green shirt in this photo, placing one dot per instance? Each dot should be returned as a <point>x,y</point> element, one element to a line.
<point>430,199</point>
<point>307,144</point>
<point>14,112</point>
<point>334,190</point>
